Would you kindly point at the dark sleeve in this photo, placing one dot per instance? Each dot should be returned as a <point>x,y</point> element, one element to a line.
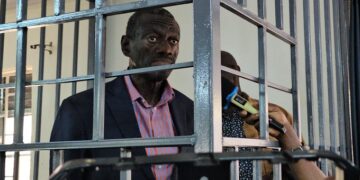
<point>190,115</point>
<point>69,125</point>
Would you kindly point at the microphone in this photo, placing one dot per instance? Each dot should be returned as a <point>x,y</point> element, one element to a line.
<point>230,96</point>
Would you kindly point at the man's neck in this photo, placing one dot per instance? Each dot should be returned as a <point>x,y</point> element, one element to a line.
<point>151,91</point>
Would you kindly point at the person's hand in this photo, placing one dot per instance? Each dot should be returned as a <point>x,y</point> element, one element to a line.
<point>289,140</point>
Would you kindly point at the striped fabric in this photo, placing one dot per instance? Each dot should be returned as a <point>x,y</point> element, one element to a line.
<point>154,121</point>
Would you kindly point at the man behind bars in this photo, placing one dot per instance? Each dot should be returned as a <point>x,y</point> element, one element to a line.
<point>136,106</point>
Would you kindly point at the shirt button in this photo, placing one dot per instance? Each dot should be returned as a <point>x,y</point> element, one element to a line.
<point>159,166</point>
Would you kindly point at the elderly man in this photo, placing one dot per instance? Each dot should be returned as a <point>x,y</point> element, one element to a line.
<point>136,106</point>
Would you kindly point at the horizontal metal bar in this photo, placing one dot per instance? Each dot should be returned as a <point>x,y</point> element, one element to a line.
<point>240,74</point>
<point>254,19</point>
<point>8,27</point>
<point>60,80</point>
<point>113,143</point>
<point>247,142</point>
<point>255,79</point>
<point>204,158</point>
<point>108,75</point>
<point>85,14</point>
<point>280,87</point>
<point>150,69</point>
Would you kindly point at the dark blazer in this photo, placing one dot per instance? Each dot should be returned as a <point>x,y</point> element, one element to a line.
<point>74,122</point>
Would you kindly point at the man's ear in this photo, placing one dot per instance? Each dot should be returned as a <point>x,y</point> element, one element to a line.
<point>125,43</point>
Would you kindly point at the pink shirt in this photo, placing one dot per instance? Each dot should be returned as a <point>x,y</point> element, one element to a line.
<point>154,121</point>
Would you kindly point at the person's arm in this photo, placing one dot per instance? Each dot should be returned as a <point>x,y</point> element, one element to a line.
<point>302,169</point>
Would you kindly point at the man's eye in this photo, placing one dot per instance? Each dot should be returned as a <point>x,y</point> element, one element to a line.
<point>174,41</point>
<point>152,39</point>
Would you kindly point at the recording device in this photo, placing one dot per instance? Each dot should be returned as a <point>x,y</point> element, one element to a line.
<point>232,97</point>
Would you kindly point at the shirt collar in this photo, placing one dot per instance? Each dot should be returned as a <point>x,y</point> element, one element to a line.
<point>166,96</point>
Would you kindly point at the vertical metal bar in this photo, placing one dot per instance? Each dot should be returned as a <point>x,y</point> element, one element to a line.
<point>294,69</point>
<point>20,82</point>
<point>234,167</point>
<point>40,91</point>
<point>207,76</point>
<point>257,170</point>
<point>277,171</point>
<point>75,48</point>
<point>58,65</point>
<point>279,14</point>
<point>263,99</point>
<point>308,65</point>
<point>354,60</point>
<point>99,82</point>
<point>2,165</point>
<point>262,73</point>
<point>59,7</point>
<point>339,79</point>
<point>243,3</point>
<point>125,174</point>
<point>2,20</point>
<point>91,46</point>
<point>57,159</point>
<point>330,74</point>
<point>347,95</point>
<point>319,78</point>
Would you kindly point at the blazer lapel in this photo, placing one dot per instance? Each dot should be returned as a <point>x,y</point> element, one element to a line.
<point>178,115</point>
<point>122,112</point>
<point>121,109</point>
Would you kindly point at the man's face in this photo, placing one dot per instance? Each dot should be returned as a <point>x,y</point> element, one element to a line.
<point>156,42</point>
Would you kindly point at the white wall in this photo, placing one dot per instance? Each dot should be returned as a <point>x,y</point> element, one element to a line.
<point>237,37</point>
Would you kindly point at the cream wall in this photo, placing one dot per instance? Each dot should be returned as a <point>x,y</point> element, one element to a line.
<point>237,37</point>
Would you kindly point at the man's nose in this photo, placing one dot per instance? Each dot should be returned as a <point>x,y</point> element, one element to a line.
<point>165,48</point>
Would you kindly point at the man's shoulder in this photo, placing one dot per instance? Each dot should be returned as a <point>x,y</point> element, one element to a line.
<point>182,97</point>
<point>81,98</point>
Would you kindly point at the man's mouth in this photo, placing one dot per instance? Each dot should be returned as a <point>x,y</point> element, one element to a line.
<point>159,62</point>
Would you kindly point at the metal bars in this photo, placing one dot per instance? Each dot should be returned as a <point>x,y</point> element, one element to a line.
<point>2,21</point>
<point>40,91</point>
<point>319,76</point>
<point>319,80</point>
<point>330,78</point>
<point>346,77</point>
<point>99,81</point>
<point>263,99</point>
<point>20,82</point>
<point>58,64</point>
<point>308,73</point>
<point>294,70</point>
<point>86,14</point>
<point>263,92</point>
<point>279,14</point>
<point>243,3</point>
<point>86,144</point>
<point>59,7</point>
<point>75,48</point>
<point>207,84</point>
<point>339,79</point>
